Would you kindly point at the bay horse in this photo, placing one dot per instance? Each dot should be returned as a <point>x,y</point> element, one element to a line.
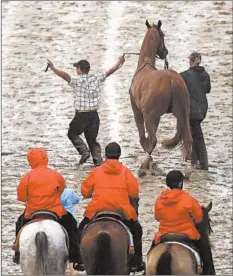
<point>176,259</point>
<point>43,247</point>
<point>105,247</point>
<point>156,92</point>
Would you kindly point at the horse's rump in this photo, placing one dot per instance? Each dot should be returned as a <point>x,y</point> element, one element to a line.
<point>171,259</point>
<point>101,250</point>
<point>43,248</point>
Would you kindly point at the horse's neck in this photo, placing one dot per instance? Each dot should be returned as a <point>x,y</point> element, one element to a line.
<point>148,50</point>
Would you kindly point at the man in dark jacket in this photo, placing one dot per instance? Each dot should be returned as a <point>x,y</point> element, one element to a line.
<point>198,83</point>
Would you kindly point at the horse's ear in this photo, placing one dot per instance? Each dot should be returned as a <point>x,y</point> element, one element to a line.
<point>209,206</point>
<point>148,24</point>
<point>159,24</point>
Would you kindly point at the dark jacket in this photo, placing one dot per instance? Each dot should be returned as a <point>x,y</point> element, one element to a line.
<point>198,83</point>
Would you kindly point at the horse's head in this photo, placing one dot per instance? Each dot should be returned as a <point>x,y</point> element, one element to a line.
<point>204,226</point>
<point>161,50</point>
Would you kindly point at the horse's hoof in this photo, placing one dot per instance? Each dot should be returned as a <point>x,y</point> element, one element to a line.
<point>141,173</point>
<point>153,167</point>
<point>187,173</point>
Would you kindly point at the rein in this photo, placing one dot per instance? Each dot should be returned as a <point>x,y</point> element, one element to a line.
<point>166,64</point>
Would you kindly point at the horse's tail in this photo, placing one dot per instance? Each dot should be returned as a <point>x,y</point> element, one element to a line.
<point>164,264</point>
<point>103,256</point>
<point>41,253</point>
<point>181,110</point>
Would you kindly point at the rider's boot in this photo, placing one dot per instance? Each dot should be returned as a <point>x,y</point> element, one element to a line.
<point>78,263</point>
<point>136,265</point>
<point>16,257</point>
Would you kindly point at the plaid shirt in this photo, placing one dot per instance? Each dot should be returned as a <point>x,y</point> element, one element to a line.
<point>87,91</point>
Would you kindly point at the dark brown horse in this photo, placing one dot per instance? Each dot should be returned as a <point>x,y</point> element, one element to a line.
<point>156,92</point>
<point>105,248</point>
<point>175,259</point>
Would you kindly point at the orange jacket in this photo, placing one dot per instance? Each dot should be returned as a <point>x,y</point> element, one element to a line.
<point>110,186</point>
<point>41,187</point>
<point>175,210</point>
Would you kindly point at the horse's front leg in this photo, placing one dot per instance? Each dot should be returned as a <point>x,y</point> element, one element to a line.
<point>151,127</point>
<point>139,120</point>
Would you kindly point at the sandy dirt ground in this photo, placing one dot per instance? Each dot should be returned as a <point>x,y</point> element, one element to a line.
<point>37,106</point>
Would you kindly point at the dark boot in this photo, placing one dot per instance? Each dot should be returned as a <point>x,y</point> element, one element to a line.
<point>84,158</point>
<point>16,257</point>
<point>80,146</point>
<point>137,267</point>
<point>202,154</point>
<point>98,162</point>
<point>96,153</point>
<point>78,265</point>
<point>136,263</point>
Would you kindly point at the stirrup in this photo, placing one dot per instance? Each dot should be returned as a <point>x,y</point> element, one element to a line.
<point>137,267</point>
<point>78,266</point>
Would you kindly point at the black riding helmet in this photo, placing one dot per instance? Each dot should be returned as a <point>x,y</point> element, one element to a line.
<point>112,151</point>
<point>174,179</point>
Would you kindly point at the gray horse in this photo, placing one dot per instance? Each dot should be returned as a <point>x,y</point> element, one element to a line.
<point>43,249</point>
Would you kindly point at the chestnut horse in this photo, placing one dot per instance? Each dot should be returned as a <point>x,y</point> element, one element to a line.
<point>105,248</point>
<point>176,259</point>
<point>156,92</point>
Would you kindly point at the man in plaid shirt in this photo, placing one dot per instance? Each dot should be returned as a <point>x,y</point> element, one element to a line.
<point>87,89</point>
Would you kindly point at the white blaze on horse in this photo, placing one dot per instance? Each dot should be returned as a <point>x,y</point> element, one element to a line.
<point>43,248</point>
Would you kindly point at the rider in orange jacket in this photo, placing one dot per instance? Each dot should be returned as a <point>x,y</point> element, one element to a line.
<point>178,212</point>
<point>175,210</point>
<point>112,187</point>
<point>41,189</point>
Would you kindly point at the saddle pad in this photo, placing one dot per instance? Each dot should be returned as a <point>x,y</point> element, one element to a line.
<point>196,254</point>
<point>16,244</point>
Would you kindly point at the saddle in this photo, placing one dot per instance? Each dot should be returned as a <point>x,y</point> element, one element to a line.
<point>44,215</point>
<point>40,216</point>
<point>112,216</point>
<point>185,241</point>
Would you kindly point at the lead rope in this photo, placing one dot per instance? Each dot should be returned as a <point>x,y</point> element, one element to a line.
<point>166,64</point>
